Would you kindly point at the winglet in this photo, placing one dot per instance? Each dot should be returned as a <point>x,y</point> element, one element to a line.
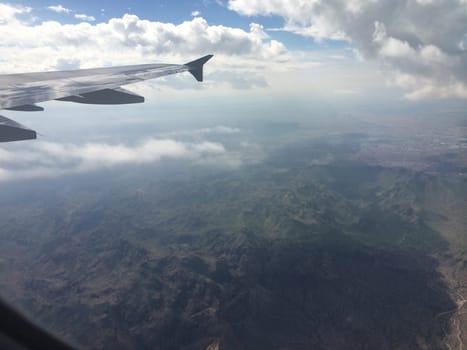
<point>196,67</point>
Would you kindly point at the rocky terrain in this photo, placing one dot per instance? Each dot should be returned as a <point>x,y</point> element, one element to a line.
<point>312,248</point>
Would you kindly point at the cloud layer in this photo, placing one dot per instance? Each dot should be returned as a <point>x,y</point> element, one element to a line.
<point>48,159</point>
<point>422,43</point>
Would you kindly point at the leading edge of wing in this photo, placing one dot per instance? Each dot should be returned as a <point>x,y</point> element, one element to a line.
<point>20,92</point>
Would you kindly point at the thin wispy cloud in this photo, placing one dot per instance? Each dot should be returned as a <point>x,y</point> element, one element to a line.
<point>84,17</point>
<point>218,130</point>
<point>81,16</point>
<point>59,9</point>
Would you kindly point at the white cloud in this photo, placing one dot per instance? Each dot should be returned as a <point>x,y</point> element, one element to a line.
<point>217,130</point>
<point>48,159</point>
<point>59,9</point>
<point>394,48</point>
<point>196,13</point>
<point>51,45</point>
<point>124,39</point>
<point>9,13</point>
<point>423,41</point>
<point>84,17</point>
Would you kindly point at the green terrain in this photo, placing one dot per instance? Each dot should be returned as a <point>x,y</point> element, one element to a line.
<point>317,246</point>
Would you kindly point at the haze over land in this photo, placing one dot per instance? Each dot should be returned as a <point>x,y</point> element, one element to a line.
<point>337,230</point>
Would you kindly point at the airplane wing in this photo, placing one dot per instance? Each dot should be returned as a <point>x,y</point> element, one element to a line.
<point>21,92</point>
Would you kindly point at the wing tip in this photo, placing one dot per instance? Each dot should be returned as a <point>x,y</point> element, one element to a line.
<point>196,67</point>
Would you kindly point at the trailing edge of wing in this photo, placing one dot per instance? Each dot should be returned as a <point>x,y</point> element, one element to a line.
<point>196,67</point>
<point>27,108</point>
<point>13,131</point>
<point>116,96</point>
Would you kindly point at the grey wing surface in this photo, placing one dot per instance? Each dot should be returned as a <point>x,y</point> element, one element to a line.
<point>21,92</point>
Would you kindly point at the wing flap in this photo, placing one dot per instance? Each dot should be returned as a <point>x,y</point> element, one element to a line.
<point>27,108</point>
<point>116,96</point>
<point>13,131</point>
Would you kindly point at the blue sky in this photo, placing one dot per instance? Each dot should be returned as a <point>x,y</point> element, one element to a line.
<point>425,59</point>
<point>281,59</point>
<point>215,12</point>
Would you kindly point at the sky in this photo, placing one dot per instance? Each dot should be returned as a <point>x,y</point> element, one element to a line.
<point>267,54</point>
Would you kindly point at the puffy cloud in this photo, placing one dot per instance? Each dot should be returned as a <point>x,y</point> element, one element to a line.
<point>48,159</point>
<point>126,40</point>
<point>59,9</point>
<point>421,43</point>
<point>8,13</point>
